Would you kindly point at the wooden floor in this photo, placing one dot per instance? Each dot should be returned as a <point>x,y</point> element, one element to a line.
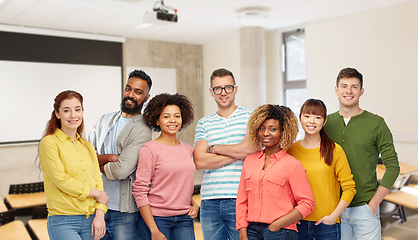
<point>402,231</point>
<point>198,231</point>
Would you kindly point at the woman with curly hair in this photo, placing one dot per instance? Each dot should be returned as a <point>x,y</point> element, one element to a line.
<point>273,192</point>
<point>164,182</point>
<point>328,171</point>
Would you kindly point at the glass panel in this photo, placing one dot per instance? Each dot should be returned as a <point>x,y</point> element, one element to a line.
<point>295,56</point>
<point>294,100</point>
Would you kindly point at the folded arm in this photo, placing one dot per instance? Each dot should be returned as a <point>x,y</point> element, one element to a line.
<point>128,158</point>
<point>238,151</point>
<point>205,160</point>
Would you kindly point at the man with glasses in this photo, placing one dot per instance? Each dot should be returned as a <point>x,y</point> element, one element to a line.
<point>219,149</point>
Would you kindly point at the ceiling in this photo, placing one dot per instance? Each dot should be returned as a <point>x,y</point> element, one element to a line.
<point>199,21</point>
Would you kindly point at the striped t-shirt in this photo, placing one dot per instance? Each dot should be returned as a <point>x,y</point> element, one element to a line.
<point>222,182</point>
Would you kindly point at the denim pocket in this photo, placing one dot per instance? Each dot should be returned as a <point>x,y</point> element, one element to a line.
<point>371,213</point>
<point>56,218</point>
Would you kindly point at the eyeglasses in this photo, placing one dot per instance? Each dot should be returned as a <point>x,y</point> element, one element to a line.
<point>228,89</point>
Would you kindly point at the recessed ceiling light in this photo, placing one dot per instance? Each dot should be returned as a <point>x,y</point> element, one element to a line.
<point>251,13</point>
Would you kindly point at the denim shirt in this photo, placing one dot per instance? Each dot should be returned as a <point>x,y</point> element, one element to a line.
<point>129,142</point>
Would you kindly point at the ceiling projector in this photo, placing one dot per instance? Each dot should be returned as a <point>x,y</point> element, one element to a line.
<point>160,17</point>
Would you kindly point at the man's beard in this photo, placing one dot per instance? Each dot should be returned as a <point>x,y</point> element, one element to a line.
<point>131,110</point>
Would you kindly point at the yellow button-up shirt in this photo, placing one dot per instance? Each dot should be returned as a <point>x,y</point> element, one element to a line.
<point>70,170</point>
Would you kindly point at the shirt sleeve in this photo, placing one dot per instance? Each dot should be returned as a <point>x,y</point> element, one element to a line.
<point>302,190</point>
<point>96,174</point>
<point>127,160</point>
<point>389,156</point>
<point>52,165</point>
<point>344,175</point>
<point>144,173</point>
<point>242,202</point>
<point>200,133</point>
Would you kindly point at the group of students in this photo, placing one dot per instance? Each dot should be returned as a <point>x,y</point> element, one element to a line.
<point>282,190</point>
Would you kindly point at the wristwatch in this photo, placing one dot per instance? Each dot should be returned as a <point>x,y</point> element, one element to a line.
<point>210,149</point>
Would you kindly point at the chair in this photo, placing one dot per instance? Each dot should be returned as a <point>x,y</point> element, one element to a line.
<point>37,226</point>
<point>26,188</point>
<point>6,217</point>
<point>23,197</point>
<point>392,210</point>
<point>40,212</point>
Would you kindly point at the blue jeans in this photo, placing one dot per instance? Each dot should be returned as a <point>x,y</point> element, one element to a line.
<point>179,227</point>
<point>70,227</point>
<point>260,231</point>
<point>217,218</point>
<point>307,230</point>
<point>121,226</point>
<point>360,223</point>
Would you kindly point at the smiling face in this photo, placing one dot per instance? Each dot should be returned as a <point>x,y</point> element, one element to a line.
<point>269,134</point>
<point>170,120</point>
<point>349,92</point>
<point>135,94</point>
<point>312,123</point>
<point>224,100</point>
<point>70,113</point>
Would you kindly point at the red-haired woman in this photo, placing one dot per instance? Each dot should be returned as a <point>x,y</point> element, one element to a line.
<point>327,170</point>
<point>74,189</point>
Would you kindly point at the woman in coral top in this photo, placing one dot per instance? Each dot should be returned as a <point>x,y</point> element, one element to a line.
<point>328,171</point>
<point>164,182</point>
<point>273,192</point>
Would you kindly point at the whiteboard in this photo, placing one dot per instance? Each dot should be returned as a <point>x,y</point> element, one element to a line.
<point>28,89</point>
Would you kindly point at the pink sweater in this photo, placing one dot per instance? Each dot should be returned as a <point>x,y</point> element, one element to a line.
<point>164,178</point>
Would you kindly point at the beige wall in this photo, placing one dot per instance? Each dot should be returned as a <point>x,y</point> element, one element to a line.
<point>383,45</point>
<point>18,161</point>
<point>220,55</point>
<point>18,166</point>
<point>185,58</point>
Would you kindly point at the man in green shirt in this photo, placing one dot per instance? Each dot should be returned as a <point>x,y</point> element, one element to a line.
<point>363,136</point>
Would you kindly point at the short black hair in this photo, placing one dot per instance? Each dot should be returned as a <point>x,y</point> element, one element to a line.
<point>157,104</point>
<point>142,75</point>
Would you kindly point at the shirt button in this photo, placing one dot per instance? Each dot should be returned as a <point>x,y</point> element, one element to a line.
<point>344,132</point>
<point>342,140</point>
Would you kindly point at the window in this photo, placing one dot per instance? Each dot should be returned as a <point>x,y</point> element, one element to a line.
<point>294,72</point>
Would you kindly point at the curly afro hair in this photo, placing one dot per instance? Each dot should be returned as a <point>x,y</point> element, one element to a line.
<point>287,121</point>
<point>157,104</point>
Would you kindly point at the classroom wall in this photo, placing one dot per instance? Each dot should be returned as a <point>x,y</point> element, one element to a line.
<point>382,45</point>
<point>185,58</point>
<point>225,54</point>
<point>18,161</point>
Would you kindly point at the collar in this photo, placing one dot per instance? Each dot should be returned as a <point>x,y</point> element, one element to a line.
<point>277,156</point>
<point>134,118</point>
<point>62,136</point>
